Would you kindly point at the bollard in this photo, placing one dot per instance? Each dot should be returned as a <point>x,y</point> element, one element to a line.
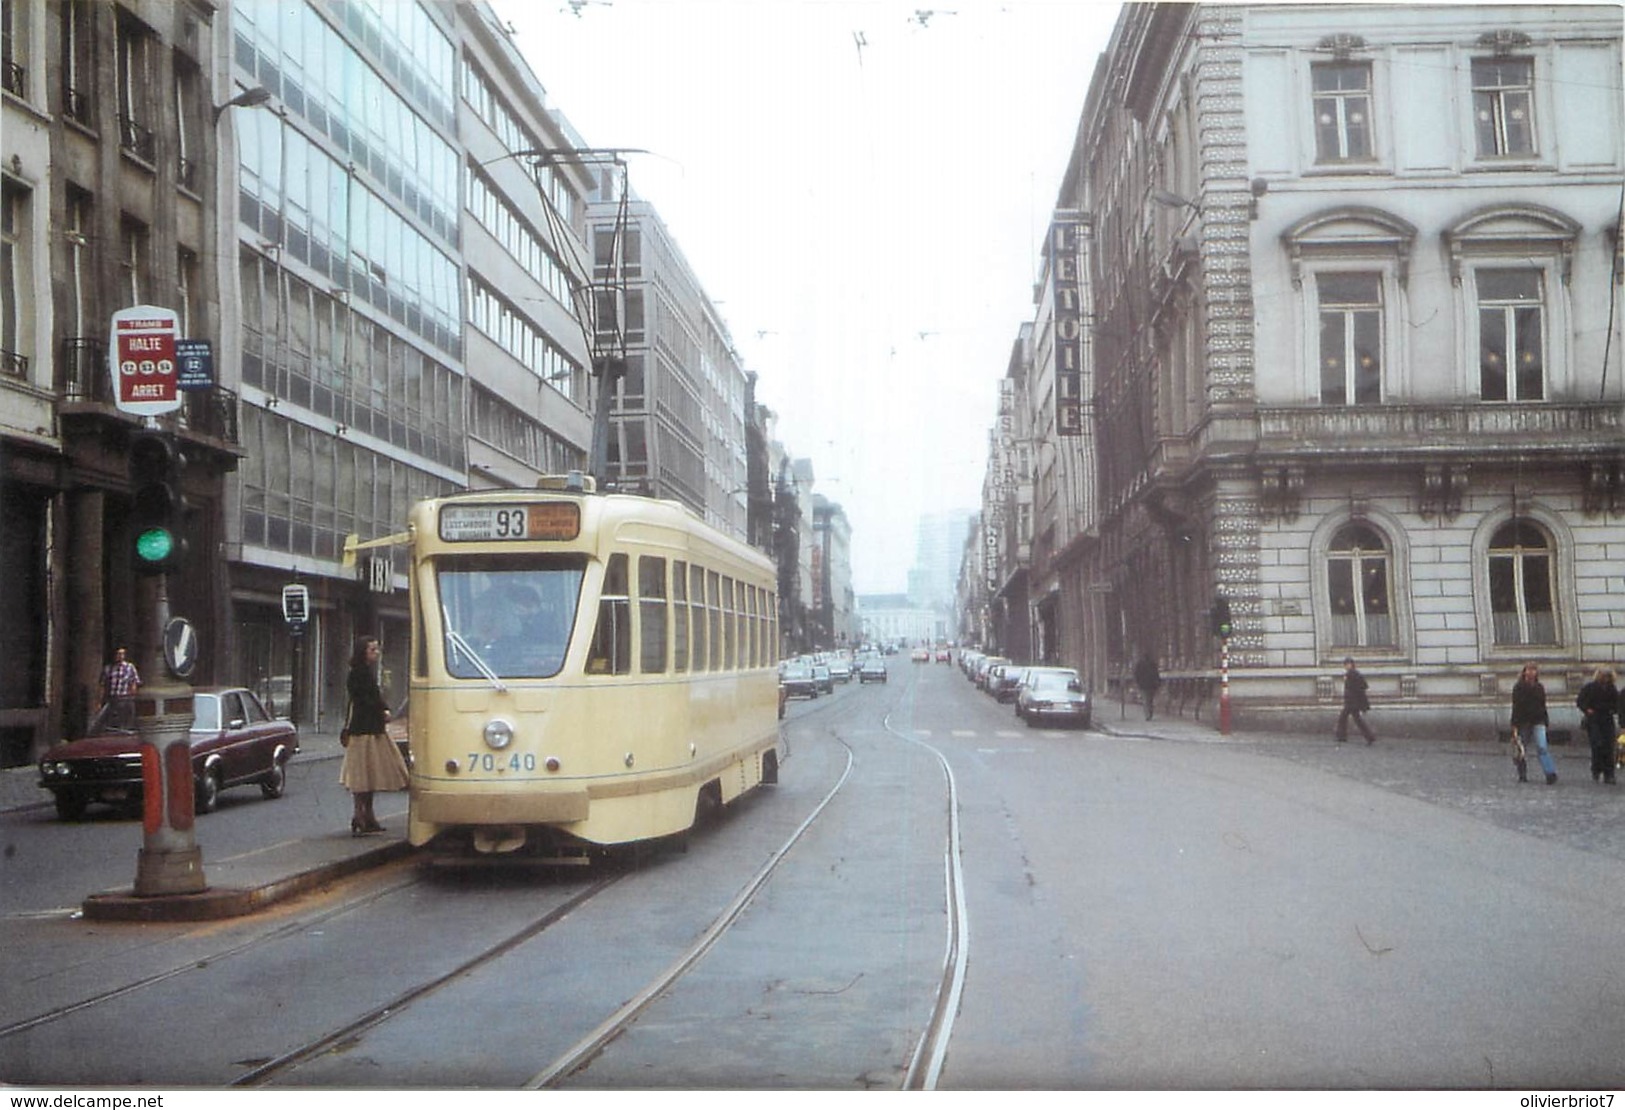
<point>170,862</point>
<point>1224,686</point>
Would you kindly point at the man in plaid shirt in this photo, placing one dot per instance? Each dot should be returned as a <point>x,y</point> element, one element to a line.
<point>120,681</point>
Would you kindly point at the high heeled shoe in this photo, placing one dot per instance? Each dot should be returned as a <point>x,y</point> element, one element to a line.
<point>357,828</point>
<point>374,827</point>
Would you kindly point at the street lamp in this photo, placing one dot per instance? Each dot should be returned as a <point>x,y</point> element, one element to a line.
<point>248,98</point>
<point>1174,200</point>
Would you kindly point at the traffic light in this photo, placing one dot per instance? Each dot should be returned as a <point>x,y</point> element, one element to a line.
<point>1221,617</point>
<point>157,506</point>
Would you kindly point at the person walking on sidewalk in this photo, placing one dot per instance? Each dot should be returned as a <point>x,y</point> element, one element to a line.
<point>1355,703</point>
<point>1599,709</point>
<point>1148,679</point>
<point>1529,721</point>
<point>120,683</point>
<point>372,762</point>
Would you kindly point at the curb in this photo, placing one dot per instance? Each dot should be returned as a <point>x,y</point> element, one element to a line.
<point>224,902</point>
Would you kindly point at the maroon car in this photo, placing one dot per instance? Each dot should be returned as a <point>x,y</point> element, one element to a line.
<point>234,741</point>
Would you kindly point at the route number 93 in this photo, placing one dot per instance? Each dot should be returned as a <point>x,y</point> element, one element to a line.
<point>512,524</point>
<point>491,761</point>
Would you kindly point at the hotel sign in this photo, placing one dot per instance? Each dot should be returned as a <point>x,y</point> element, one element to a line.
<point>1067,298</point>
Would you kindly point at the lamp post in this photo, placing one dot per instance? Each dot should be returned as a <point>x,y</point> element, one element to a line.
<point>248,98</point>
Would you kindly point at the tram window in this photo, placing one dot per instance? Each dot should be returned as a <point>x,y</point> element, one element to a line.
<point>696,609</point>
<point>730,636</point>
<point>511,615</point>
<point>679,612</point>
<point>652,614</point>
<point>611,651</point>
<point>713,609</point>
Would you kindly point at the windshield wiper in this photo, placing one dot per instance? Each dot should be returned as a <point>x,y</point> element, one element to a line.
<point>467,649</point>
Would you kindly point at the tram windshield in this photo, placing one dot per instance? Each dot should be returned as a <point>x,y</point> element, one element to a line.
<point>508,615</point>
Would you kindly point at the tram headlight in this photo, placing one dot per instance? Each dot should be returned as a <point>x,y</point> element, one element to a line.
<point>498,734</point>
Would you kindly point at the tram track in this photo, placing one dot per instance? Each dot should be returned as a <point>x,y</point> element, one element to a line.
<point>923,1067</point>
<point>344,1036</point>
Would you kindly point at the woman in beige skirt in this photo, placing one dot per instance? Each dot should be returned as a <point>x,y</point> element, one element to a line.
<point>372,762</point>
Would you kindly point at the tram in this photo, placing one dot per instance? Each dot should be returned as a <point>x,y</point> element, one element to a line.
<point>587,670</point>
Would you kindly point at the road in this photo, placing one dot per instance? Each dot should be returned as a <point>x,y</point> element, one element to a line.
<point>933,895</point>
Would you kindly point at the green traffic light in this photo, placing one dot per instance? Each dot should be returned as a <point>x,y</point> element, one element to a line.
<point>154,545</point>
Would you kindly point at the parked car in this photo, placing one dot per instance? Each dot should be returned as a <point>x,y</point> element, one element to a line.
<point>1053,695</point>
<point>821,675</point>
<point>984,665</point>
<point>400,731</point>
<point>872,669</point>
<point>1004,686</point>
<point>796,679</point>
<point>234,742</point>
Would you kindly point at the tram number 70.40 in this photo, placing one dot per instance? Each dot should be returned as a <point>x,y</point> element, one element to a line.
<point>488,761</point>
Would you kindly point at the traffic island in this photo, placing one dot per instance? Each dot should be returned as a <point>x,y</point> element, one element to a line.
<point>298,873</point>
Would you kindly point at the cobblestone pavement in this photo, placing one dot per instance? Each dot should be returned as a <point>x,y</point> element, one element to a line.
<point>1479,779</point>
<point>1474,777</point>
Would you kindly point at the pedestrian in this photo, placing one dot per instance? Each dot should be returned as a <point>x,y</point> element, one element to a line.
<point>1599,710</point>
<point>372,762</point>
<point>1529,721</point>
<point>1148,679</point>
<point>1355,703</point>
<point>120,682</point>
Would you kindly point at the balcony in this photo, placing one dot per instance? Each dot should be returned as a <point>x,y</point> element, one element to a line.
<point>1408,431</point>
<point>76,106</point>
<point>16,79</point>
<point>84,387</point>
<point>136,139</point>
<point>13,365</point>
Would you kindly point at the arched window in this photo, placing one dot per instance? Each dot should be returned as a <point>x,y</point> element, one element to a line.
<point>1520,562</point>
<point>1358,585</point>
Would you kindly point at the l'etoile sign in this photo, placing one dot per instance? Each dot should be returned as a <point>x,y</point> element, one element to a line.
<point>143,360</point>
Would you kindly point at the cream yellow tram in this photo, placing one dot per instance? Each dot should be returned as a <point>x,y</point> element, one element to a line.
<point>587,670</point>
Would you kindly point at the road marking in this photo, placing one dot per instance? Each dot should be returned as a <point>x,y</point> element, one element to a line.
<point>963,732</point>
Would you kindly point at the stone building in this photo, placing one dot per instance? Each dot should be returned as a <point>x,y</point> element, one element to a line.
<point>1352,358</point>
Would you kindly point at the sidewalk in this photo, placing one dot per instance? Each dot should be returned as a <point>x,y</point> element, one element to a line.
<point>240,885</point>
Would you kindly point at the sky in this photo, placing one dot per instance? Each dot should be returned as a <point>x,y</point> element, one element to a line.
<point>862,190</point>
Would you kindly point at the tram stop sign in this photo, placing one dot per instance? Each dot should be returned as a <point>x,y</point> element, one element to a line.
<point>143,360</point>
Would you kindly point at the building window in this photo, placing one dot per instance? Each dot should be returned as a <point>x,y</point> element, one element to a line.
<point>186,292</point>
<point>78,67</point>
<point>135,277</point>
<point>1511,329</point>
<point>1504,106</point>
<point>16,280</point>
<point>81,305</point>
<point>14,47</point>
<point>135,87</point>
<point>1358,580</point>
<point>1342,103</point>
<point>1520,570</point>
<point>1351,339</point>
<point>188,126</point>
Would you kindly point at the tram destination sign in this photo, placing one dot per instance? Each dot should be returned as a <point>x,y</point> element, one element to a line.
<point>543,520</point>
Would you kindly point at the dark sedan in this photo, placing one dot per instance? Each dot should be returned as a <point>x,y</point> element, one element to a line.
<point>797,681</point>
<point>234,741</point>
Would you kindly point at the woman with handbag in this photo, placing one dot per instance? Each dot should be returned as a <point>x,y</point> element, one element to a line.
<point>372,762</point>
